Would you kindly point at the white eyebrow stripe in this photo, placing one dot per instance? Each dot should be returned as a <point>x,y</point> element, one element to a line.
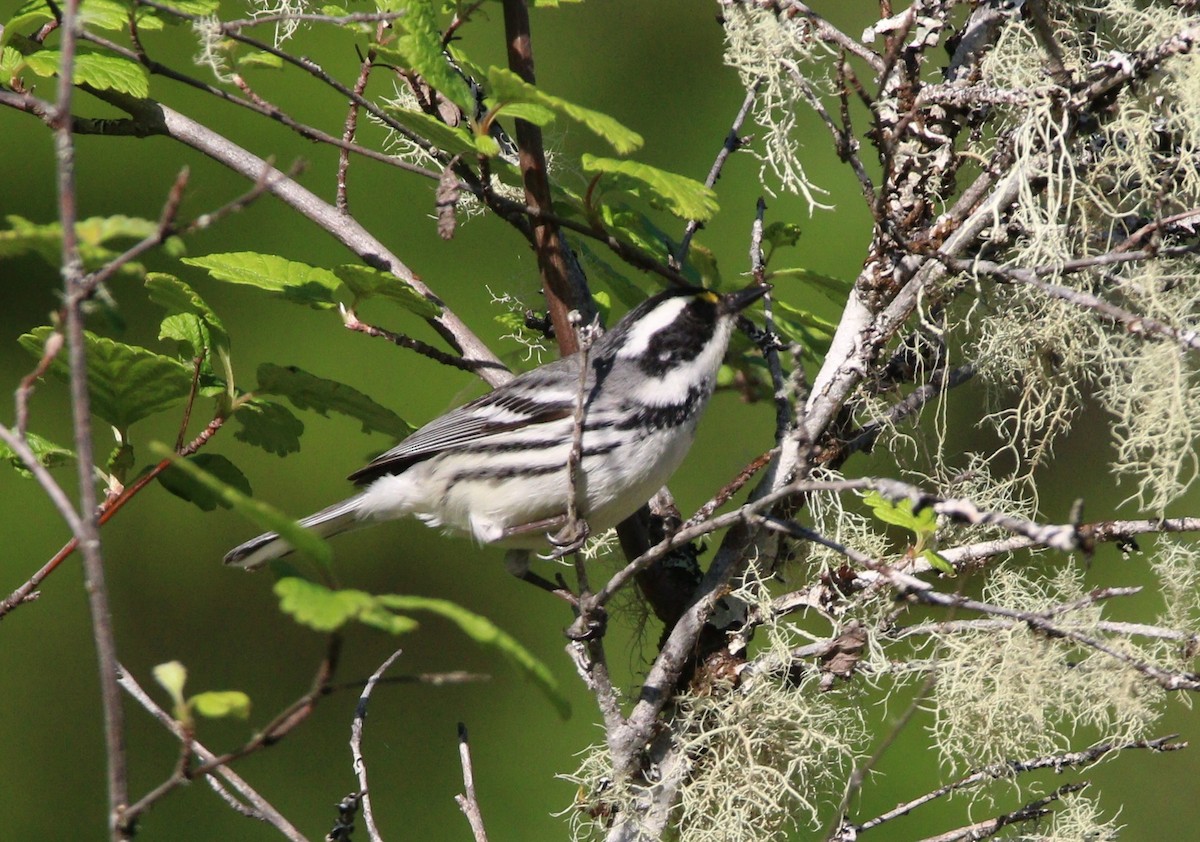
<point>639,336</point>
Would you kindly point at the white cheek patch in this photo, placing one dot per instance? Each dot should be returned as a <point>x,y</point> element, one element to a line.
<point>638,339</point>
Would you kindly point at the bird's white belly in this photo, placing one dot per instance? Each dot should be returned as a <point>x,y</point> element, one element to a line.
<point>444,493</point>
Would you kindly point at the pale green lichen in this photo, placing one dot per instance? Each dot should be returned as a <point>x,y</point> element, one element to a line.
<point>776,53</point>
<point>1083,196</point>
<point>1016,692</point>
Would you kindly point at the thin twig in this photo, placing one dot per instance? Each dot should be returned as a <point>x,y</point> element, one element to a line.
<point>348,130</point>
<point>259,808</point>
<point>1136,324</point>
<point>733,142</point>
<point>467,802</point>
<point>88,532</point>
<point>356,733</point>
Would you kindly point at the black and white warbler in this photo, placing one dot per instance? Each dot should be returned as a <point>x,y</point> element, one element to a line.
<point>496,468</point>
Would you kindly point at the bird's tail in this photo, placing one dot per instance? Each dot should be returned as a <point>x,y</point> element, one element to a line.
<point>256,552</point>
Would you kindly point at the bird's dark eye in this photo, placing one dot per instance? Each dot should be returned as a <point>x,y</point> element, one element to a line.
<point>682,340</point>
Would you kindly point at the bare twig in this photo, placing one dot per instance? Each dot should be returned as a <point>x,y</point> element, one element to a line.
<point>1136,324</point>
<point>467,802</point>
<point>259,808</point>
<point>356,732</point>
<point>87,533</point>
<point>733,142</point>
<point>1032,811</point>
<point>360,85</point>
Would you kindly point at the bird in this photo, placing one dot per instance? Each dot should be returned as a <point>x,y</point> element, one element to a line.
<point>496,468</point>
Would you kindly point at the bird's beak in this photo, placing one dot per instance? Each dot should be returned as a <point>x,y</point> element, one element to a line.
<point>735,302</point>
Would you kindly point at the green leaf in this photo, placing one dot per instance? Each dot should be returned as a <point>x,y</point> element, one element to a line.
<point>27,19</point>
<point>217,704</point>
<point>683,196</point>
<point>421,46</point>
<point>268,61</point>
<point>268,518</point>
<point>539,115</point>
<point>454,140</point>
<point>939,563</point>
<point>46,240</point>
<point>803,327</point>
<point>484,631</point>
<point>705,263</point>
<point>193,322</point>
<point>307,391</point>
<point>325,610</point>
<point>290,279</point>
<point>109,15</point>
<point>487,145</point>
<point>835,289</point>
<point>10,62</point>
<point>172,676</point>
<point>269,425</point>
<point>48,454</point>
<point>922,524</point>
<point>100,70</point>
<point>187,486</point>
<point>120,462</point>
<point>506,88</point>
<point>195,7</point>
<point>365,282</point>
<point>781,234</point>
<point>126,382</point>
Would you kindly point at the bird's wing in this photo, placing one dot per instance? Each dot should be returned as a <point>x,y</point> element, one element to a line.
<point>536,397</point>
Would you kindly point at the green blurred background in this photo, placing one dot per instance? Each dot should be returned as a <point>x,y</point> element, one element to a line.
<point>657,68</point>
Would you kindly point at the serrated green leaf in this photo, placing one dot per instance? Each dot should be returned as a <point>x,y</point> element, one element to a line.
<point>191,7</point>
<point>109,15</point>
<point>218,704</point>
<point>530,112</point>
<point>188,331</point>
<point>939,563</point>
<point>48,454</point>
<point>177,297</point>
<point>484,631</point>
<point>269,425</point>
<point>334,11</point>
<point>10,62</point>
<point>45,239</point>
<point>421,46</point>
<point>103,71</point>
<point>365,282</point>
<point>378,617</point>
<point>685,197</point>
<point>194,323</point>
<point>303,541</point>
<point>454,140</point>
<point>187,486</point>
<point>126,382</point>
<point>922,524</point>
<point>320,608</point>
<point>507,88</point>
<point>267,61</point>
<point>307,391</point>
<point>291,279</point>
<point>172,676</point>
